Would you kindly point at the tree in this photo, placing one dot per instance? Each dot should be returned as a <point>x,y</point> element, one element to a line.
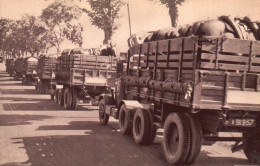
<point>62,20</point>
<point>173,9</point>
<point>103,14</point>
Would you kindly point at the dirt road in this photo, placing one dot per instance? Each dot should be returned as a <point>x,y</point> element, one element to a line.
<point>35,131</point>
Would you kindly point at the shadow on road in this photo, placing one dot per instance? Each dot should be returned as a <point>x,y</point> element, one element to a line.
<point>103,145</point>
<point>12,120</point>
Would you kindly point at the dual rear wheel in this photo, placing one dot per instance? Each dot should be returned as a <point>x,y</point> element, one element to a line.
<point>70,98</point>
<point>182,138</point>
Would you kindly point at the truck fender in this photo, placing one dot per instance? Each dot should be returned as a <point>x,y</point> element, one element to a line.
<point>133,105</point>
<point>59,87</point>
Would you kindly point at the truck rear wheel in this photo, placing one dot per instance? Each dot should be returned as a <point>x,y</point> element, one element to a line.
<point>103,117</point>
<point>60,97</point>
<point>195,141</point>
<point>252,149</point>
<point>176,136</point>
<point>124,120</point>
<point>141,126</point>
<point>74,99</point>
<point>67,98</point>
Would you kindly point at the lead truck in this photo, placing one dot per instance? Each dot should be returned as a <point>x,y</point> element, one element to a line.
<point>195,88</point>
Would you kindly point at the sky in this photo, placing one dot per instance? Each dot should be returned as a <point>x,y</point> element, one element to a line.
<point>145,16</point>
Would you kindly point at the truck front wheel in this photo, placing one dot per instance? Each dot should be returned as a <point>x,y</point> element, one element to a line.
<point>67,98</point>
<point>252,149</point>
<point>176,136</point>
<point>124,120</point>
<point>74,99</point>
<point>103,117</point>
<point>60,97</point>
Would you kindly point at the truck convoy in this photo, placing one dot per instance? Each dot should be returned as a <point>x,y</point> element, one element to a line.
<point>194,82</point>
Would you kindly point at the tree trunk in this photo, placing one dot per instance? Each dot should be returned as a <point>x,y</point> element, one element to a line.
<point>108,34</point>
<point>173,12</point>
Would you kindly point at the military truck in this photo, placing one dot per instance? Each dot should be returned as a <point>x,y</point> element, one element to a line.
<point>29,73</point>
<point>194,87</point>
<point>46,70</point>
<point>10,66</point>
<point>83,75</point>
<point>18,69</point>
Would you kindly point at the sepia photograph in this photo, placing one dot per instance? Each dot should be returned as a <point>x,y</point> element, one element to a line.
<point>129,82</point>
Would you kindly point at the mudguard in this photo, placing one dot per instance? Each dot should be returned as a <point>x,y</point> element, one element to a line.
<point>108,99</point>
<point>59,86</point>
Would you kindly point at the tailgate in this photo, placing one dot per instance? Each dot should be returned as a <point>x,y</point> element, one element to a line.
<point>93,77</point>
<point>226,90</point>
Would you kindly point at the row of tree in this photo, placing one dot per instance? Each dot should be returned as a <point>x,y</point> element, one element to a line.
<point>59,21</point>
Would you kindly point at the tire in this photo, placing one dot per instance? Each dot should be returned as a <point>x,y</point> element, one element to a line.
<point>103,117</point>
<point>67,98</point>
<point>74,99</point>
<point>141,126</point>
<point>196,138</point>
<point>60,97</point>
<point>56,96</point>
<point>152,134</point>
<point>125,125</point>
<point>176,136</point>
<point>252,149</point>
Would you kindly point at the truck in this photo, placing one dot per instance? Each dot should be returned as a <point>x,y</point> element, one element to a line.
<point>83,75</point>
<point>29,73</point>
<point>195,88</point>
<point>10,66</point>
<point>46,70</point>
<point>18,69</point>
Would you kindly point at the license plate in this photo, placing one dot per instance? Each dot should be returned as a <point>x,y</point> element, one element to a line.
<point>245,122</point>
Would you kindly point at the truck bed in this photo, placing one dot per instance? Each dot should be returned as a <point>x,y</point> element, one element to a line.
<point>219,70</point>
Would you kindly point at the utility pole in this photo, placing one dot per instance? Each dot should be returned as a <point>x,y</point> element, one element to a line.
<point>129,20</point>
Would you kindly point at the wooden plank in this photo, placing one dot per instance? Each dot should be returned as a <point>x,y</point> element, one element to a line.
<point>211,98</point>
<point>209,46</point>
<point>255,59</point>
<point>212,92</point>
<point>188,56</point>
<point>235,46</point>
<point>189,43</point>
<point>255,68</point>
<point>176,44</point>
<point>224,66</point>
<point>174,57</point>
<point>231,58</point>
<point>135,49</point>
<point>174,64</point>
<point>256,48</point>
<point>152,48</point>
<point>163,46</point>
<point>144,48</point>
<point>187,64</point>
